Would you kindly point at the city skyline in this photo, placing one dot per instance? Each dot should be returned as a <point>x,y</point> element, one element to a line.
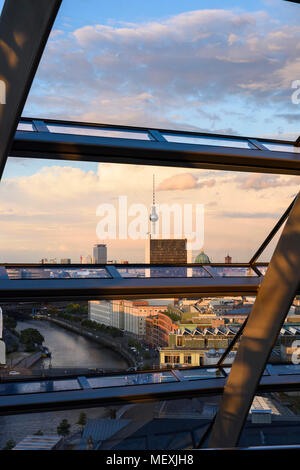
<point>47,208</point>
<point>52,213</point>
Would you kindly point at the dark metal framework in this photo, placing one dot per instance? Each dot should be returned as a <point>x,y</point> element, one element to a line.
<point>147,146</point>
<point>31,395</point>
<point>62,140</point>
<point>268,313</point>
<point>24,30</point>
<point>36,282</point>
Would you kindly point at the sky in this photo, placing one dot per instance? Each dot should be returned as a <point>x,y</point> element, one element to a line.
<point>214,66</point>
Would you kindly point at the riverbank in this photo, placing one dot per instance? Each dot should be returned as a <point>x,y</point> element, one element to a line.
<point>99,338</point>
<point>72,350</point>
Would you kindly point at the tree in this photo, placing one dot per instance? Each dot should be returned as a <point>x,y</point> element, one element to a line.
<point>76,309</point>
<point>31,337</point>
<point>9,445</point>
<point>53,311</point>
<point>9,322</point>
<point>82,419</point>
<point>64,428</point>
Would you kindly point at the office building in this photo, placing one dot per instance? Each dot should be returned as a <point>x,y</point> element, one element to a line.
<point>86,259</point>
<point>228,259</point>
<point>158,328</point>
<point>100,254</point>
<point>107,312</point>
<point>48,261</point>
<point>167,251</point>
<point>128,315</point>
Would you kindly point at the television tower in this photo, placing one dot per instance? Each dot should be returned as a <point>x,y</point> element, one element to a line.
<point>153,216</point>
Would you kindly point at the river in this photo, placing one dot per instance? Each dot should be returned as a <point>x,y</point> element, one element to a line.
<point>68,350</point>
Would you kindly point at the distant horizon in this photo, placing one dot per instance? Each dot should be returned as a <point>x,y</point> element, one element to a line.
<point>222,68</point>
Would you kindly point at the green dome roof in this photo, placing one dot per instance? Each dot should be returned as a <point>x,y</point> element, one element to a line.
<point>202,258</point>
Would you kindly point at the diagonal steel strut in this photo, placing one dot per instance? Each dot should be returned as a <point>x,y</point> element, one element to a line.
<point>269,311</point>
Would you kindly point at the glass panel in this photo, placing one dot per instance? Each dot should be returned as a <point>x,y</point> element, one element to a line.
<point>228,205</point>
<point>223,271</point>
<point>57,273</point>
<point>159,425</point>
<point>207,141</point>
<point>170,271</point>
<point>267,253</point>
<point>38,387</point>
<point>265,372</point>
<point>98,132</point>
<point>56,338</point>
<point>273,419</point>
<point>25,126</point>
<point>195,374</point>
<point>150,66</point>
<point>285,369</point>
<point>281,147</point>
<point>262,269</point>
<point>133,379</point>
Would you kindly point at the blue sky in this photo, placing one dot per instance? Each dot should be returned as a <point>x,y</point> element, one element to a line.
<point>240,108</point>
<point>80,12</point>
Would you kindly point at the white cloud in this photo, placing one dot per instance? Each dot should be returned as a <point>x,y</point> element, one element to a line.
<point>160,72</point>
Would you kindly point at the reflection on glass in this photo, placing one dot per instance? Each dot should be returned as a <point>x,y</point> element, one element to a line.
<point>166,271</point>
<point>281,147</point>
<point>207,141</point>
<point>98,132</point>
<point>262,269</point>
<point>284,369</point>
<point>197,374</point>
<point>233,271</point>
<point>134,379</point>
<point>3,273</point>
<point>25,126</point>
<point>38,387</point>
<point>56,273</point>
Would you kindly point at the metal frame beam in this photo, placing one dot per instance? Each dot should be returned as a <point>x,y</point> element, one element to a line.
<point>47,400</point>
<point>57,146</point>
<point>272,234</point>
<point>117,288</point>
<point>24,30</point>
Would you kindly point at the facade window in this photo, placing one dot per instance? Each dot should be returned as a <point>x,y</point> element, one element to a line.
<point>187,359</point>
<point>172,359</point>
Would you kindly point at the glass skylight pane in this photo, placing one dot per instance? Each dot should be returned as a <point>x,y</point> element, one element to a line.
<point>197,374</point>
<point>231,271</point>
<point>39,387</point>
<point>134,379</point>
<point>284,369</point>
<point>263,269</point>
<point>170,271</point>
<point>56,273</point>
<point>25,126</point>
<point>281,147</point>
<point>98,132</point>
<point>207,141</point>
